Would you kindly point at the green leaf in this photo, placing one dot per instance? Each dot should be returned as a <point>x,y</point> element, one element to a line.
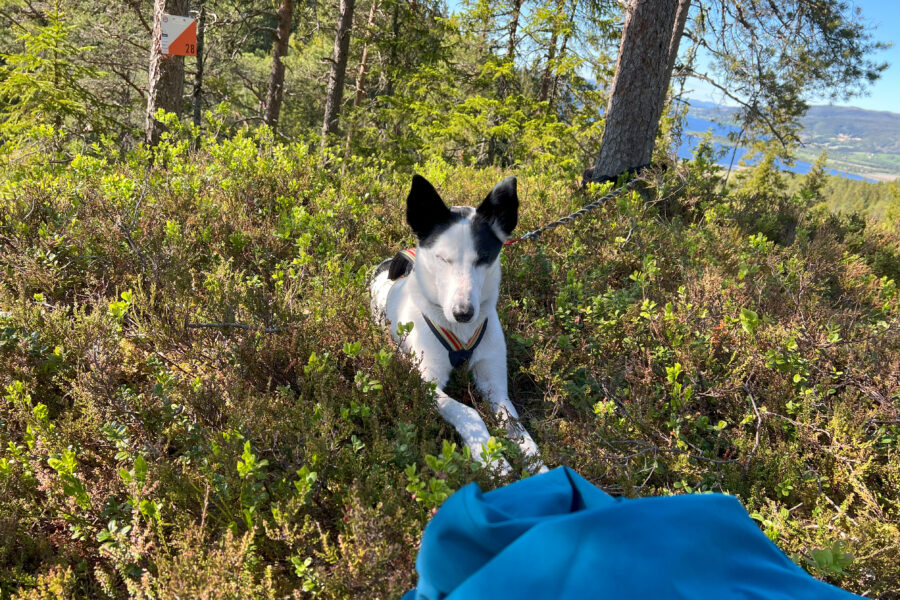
<point>105,535</point>
<point>352,349</point>
<point>150,509</point>
<point>673,372</point>
<point>140,469</point>
<point>749,320</point>
<point>41,414</point>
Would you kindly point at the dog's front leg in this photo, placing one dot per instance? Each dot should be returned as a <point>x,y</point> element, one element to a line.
<point>464,419</point>
<point>470,426</point>
<point>490,377</point>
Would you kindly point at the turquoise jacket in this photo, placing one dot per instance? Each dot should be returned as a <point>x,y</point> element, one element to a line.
<point>557,536</point>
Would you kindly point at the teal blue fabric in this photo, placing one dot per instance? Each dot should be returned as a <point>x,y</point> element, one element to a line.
<point>557,536</point>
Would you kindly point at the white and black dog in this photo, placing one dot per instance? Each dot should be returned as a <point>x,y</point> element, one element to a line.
<point>448,287</point>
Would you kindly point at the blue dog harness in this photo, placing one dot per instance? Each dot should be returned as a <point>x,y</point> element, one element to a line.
<point>458,351</point>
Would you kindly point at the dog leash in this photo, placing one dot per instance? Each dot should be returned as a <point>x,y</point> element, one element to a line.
<point>536,233</point>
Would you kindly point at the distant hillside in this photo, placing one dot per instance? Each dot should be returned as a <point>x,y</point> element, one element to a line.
<point>852,129</point>
<point>858,141</point>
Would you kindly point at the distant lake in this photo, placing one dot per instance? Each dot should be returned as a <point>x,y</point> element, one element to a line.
<point>690,142</point>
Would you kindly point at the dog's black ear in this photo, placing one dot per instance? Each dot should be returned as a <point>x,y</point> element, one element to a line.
<point>400,266</point>
<point>501,207</point>
<point>424,208</point>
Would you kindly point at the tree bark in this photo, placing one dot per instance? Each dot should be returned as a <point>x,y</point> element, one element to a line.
<point>166,76</point>
<point>684,6</point>
<point>392,55</point>
<point>638,93</point>
<point>338,71</point>
<point>562,49</point>
<point>198,77</point>
<point>546,77</point>
<point>275,91</point>
<point>513,29</point>
<point>361,74</point>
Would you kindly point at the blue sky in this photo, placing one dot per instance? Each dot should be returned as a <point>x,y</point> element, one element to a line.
<point>884,16</point>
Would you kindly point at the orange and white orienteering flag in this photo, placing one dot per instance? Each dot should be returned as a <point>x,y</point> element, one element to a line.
<point>179,35</point>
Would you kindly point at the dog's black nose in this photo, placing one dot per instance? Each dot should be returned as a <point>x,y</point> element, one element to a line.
<point>464,315</point>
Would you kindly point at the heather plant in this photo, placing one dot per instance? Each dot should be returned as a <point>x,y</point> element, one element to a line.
<point>195,399</point>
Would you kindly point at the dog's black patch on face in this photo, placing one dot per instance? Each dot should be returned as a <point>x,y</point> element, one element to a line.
<point>431,237</point>
<point>501,207</point>
<point>426,213</point>
<point>487,244</point>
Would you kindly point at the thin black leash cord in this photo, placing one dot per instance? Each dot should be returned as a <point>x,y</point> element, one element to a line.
<point>536,233</point>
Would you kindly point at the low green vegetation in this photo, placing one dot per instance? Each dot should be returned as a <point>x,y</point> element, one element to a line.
<point>195,401</point>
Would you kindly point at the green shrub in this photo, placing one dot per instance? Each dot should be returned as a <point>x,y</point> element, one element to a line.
<point>196,398</point>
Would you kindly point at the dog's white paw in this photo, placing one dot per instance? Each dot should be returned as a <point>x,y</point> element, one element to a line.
<point>520,436</point>
<point>504,467</point>
<point>529,448</point>
<point>498,465</point>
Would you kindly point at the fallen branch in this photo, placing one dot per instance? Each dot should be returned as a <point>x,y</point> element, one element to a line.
<point>237,326</point>
<point>758,424</point>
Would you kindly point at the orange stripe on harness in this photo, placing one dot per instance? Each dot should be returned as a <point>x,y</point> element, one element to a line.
<point>457,352</point>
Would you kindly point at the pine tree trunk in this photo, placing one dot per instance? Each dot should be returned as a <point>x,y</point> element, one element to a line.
<point>681,16</point>
<point>166,76</point>
<point>338,70</point>
<point>562,50</point>
<point>548,67</point>
<point>361,74</point>
<point>275,91</point>
<point>513,29</point>
<point>198,77</point>
<point>639,89</point>
<point>684,7</point>
<point>392,55</point>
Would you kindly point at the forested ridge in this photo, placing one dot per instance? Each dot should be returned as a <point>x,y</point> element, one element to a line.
<point>196,402</point>
<point>856,141</point>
